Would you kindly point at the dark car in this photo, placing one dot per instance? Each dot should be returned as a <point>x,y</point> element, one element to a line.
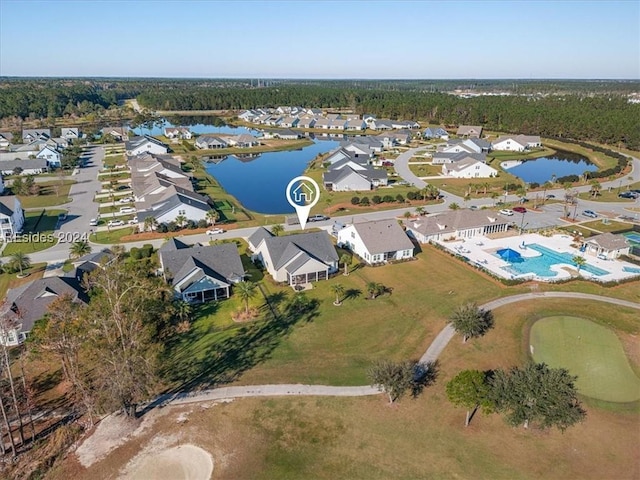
<point>630,195</point>
<point>519,209</point>
<point>551,196</point>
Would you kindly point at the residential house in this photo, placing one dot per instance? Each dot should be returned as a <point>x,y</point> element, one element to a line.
<point>243,141</point>
<point>52,156</point>
<point>169,201</point>
<point>353,174</point>
<point>456,224</point>
<point>295,259</point>
<point>306,122</point>
<point>209,142</point>
<point>31,134</point>
<point>378,241</point>
<point>262,118</point>
<point>372,143</point>
<point>119,134</point>
<point>517,143</point>
<point>322,123</point>
<point>27,166</point>
<point>11,216</point>
<point>357,149</point>
<point>469,131</point>
<point>606,246</point>
<point>88,263</point>
<point>380,125</point>
<point>469,168</point>
<point>337,124</point>
<point>248,115</point>
<point>440,158</point>
<point>273,120</point>
<point>2,186</point>
<point>283,134</point>
<point>5,139</point>
<point>368,118</point>
<point>468,145</point>
<point>314,111</point>
<point>145,144</point>
<point>29,303</point>
<point>356,125</point>
<point>182,133</point>
<point>435,132</point>
<point>70,134</point>
<point>403,124</point>
<point>289,122</point>
<point>200,273</point>
<point>391,139</point>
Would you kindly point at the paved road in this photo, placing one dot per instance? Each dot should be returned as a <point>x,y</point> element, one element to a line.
<point>431,355</point>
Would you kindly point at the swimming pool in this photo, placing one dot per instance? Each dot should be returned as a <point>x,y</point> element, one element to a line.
<point>631,269</point>
<point>541,265</point>
<point>634,237</point>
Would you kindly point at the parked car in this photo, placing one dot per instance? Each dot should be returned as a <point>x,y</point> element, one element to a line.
<point>387,163</point>
<point>133,221</point>
<point>93,222</point>
<point>115,223</point>
<point>318,218</point>
<point>125,200</point>
<point>590,213</point>
<point>551,195</point>
<point>506,211</point>
<point>215,231</point>
<point>473,207</point>
<point>127,210</point>
<point>520,209</point>
<point>628,195</point>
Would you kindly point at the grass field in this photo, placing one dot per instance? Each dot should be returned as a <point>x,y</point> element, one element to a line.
<point>51,193</point>
<point>591,352</point>
<point>33,223</point>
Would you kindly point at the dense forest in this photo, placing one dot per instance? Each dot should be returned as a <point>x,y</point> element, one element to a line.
<point>581,110</point>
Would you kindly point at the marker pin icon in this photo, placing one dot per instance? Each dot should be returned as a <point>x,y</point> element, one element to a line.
<point>302,194</point>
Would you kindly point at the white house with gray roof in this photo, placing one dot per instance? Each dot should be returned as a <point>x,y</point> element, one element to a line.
<point>11,216</point>
<point>145,144</point>
<point>200,273</point>
<point>435,132</point>
<point>469,168</point>
<point>469,131</point>
<point>378,241</point>
<point>210,142</point>
<point>295,259</point>
<point>456,224</point>
<point>31,134</point>
<point>517,143</point>
<point>606,245</point>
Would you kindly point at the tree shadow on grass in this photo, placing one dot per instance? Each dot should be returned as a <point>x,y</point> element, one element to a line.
<point>425,375</point>
<point>352,293</point>
<point>251,344</point>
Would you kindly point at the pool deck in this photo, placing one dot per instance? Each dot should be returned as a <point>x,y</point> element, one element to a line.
<point>481,250</point>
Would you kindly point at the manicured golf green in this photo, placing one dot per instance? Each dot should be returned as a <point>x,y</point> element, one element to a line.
<point>591,352</point>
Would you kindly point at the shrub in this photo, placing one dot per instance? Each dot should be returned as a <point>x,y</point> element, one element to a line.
<point>364,201</point>
<point>191,225</point>
<point>202,223</point>
<point>172,227</point>
<point>135,253</point>
<point>412,195</point>
<point>376,199</point>
<point>388,199</point>
<point>399,198</point>
<point>162,228</point>
<point>355,200</point>
<point>147,250</point>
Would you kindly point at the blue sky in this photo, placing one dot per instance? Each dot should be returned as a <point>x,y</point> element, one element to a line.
<point>321,39</point>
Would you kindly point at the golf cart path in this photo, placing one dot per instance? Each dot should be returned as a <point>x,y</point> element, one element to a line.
<point>431,355</point>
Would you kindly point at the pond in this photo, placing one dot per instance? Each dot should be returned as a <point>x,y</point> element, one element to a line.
<point>260,183</point>
<point>550,168</point>
<point>198,125</point>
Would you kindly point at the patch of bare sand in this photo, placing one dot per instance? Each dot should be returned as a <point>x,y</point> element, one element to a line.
<point>112,431</point>
<point>182,462</point>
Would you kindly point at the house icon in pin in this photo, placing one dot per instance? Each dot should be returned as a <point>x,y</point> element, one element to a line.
<point>303,193</point>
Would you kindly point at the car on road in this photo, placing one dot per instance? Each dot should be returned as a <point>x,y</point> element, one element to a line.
<point>318,218</point>
<point>93,222</point>
<point>506,211</point>
<point>520,209</point>
<point>473,207</point>
<point>550,196</point>
<point>215,231</point>
<point>115,223</point>
<point>590,213</point>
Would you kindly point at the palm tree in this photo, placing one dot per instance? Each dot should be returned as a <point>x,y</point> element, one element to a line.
<point>374,289</point>
<point>277,229</point>
<point>579,262</point>
<point>338,289</point>
<point>212,217</point>
<point>595,187</point>
<point>19,261</point>
<point>181,220</point>
<point>79,249</point>
<point>246,291</point>
<point>182,310</point>
<point>407,215</point>
<point>454,206</point>
<point>545,186</point>
<point>150,223</point>
<point>345,259</point>
<point>419,210</point>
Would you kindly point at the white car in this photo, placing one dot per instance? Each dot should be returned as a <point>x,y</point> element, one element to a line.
<point>93,222</point>
<point>133,221</point>
<point>115,223</point>
<point>506,211</point>
<point>125,200</point>
<point>127,210</point>
<point>215,231</point>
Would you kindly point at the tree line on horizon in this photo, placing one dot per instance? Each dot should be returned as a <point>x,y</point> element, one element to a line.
<point>595,115</point>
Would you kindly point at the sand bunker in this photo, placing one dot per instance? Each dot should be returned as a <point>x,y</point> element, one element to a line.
<point>184,462</point>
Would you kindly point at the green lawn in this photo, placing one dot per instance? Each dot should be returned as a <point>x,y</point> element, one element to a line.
<point>611,195</point>
<point>425,170</point>
<point>114,236</point>
<point>44,227</point>
<point>51,194</point>
<point>591,352</point>
<point>10,280</point>
<point>611,226</point>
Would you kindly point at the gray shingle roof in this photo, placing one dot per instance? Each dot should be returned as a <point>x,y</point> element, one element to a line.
<point>315,244</point>
<point>221,261</point>
<point>609,241</point>
<point>382,236</point>
<point>449,222</point>
<point>256,237</point>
